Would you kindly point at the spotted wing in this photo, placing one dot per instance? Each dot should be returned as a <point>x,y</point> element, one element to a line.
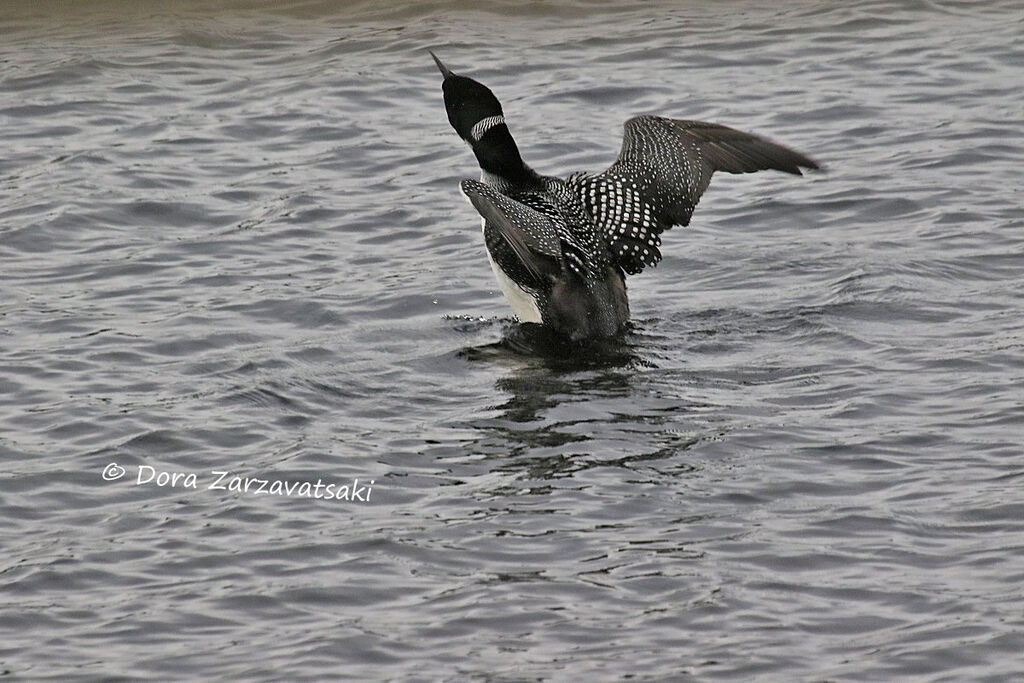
<point>518,237</point>
<point>661,172</point>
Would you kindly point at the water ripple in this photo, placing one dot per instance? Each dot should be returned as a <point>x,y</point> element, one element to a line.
<point>222,230</point>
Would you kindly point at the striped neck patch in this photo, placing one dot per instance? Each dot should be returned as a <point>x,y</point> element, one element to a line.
<point>484,125</point>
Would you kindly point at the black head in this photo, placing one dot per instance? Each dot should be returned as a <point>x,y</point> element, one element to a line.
<point>476,116</point>
<point>468,102</point>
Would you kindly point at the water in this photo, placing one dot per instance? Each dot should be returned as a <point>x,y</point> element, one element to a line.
<point>231,241</point>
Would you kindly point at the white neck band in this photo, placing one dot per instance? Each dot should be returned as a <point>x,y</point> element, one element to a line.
<point>484,125</point>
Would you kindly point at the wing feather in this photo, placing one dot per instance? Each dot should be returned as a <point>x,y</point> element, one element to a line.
<point>663,168</point>
<point>529,234</point>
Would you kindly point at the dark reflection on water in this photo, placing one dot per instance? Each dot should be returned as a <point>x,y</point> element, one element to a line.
<point>231,241</point>
<point>558,355</point>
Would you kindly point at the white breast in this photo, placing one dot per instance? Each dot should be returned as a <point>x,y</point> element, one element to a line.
<point>522,302</point>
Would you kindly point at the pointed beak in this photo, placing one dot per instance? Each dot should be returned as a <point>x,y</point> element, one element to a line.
<point>440,65</point>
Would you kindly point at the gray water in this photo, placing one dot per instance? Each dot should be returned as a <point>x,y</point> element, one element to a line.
<point>231,241</point>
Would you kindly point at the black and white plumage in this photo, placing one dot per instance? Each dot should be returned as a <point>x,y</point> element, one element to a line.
<point>560,249</point>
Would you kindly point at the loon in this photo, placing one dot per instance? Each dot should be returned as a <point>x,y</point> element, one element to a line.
<point>561,249</point>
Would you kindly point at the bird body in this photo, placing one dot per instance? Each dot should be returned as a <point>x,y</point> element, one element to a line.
<point>561,248</point>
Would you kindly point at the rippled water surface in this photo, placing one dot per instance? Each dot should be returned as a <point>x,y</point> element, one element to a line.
<point>231,241</point>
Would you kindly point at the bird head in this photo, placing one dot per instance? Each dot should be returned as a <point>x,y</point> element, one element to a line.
<point>472,107</point>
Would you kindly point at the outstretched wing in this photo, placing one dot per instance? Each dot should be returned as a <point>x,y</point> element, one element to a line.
<point>519,237</point>
<point>661,172</point>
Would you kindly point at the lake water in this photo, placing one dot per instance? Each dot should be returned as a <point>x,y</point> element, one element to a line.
<point>231,241</point>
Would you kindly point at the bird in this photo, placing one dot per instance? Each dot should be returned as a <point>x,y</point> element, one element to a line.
<point>561,248</point>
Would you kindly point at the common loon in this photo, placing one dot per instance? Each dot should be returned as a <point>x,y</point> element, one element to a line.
<point>561,249</point>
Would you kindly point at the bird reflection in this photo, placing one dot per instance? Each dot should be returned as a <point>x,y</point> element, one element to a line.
<point>547,375</point>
